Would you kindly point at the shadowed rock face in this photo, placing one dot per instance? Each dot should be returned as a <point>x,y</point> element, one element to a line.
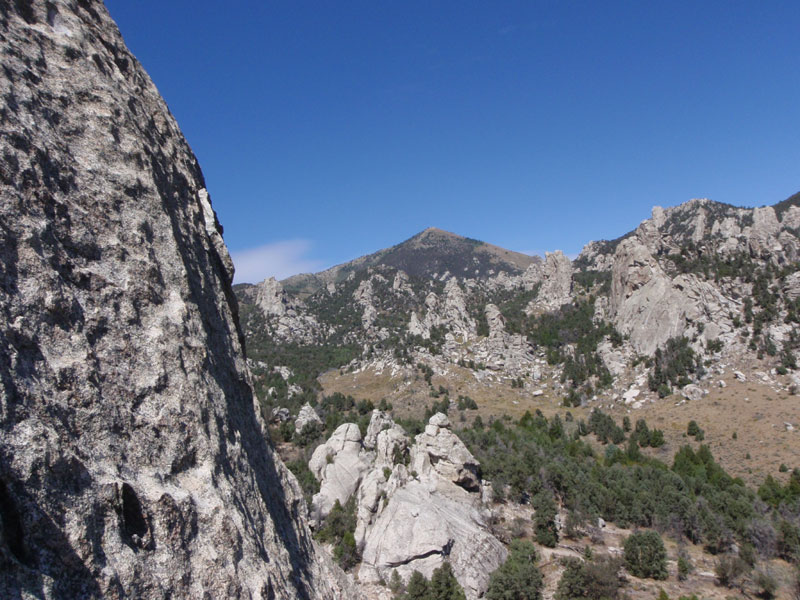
<point>133,462</point>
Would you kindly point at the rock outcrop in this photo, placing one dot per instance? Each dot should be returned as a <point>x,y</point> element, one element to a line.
<point>651,306</point>
<point>556,279</point>
<point>286,316</point>
<point>338,464</point>
<point>410,516</point>
<point>133,460</point>
<point>307,417</point>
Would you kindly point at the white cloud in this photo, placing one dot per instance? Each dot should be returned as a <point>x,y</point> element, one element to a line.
<point>279,260</point>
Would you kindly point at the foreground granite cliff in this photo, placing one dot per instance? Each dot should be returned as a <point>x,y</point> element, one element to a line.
<point>133,462</point>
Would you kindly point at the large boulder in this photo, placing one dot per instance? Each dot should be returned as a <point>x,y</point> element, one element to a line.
<point>133,458</point>
<point>307,417</point>
<point>338,464</point>
<point>439,450</point>
<point>420,527</point>
<point>378,422</point>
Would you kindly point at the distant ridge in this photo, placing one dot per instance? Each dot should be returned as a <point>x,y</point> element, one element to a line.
<point>429,253</point>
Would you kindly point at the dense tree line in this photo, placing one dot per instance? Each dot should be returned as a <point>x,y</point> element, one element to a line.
<point>693,499</point>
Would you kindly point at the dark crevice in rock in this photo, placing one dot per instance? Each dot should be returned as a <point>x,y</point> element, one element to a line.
<point>25,10</point>
<point>134,522</point>
<point>444,551</point>
<point>12,525</point>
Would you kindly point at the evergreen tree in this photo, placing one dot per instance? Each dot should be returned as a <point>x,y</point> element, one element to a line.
<point>518,578</point>
<point>645,555</point>
<point>544,519</point>
<point>444,585</point>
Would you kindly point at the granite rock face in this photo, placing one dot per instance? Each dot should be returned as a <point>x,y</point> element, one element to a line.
<point>286,317</point>
<point>556,278</point>
<point>418,502</point>
<point>133,460</point>
<point>338,464</point>
<point>307,417</point>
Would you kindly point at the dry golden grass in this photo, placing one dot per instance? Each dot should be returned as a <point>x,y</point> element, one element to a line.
<point>754,411</point>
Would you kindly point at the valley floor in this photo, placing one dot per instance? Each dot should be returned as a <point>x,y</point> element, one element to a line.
<point>752,427</point>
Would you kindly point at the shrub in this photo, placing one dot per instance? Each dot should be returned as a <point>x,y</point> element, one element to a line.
<point>518,578</point>
<point>729,569</point>
<point>645,555</point>
<point>338,530</point>
<point>465,402</point>
<point>418,587</point>
<point>395,583</point>
<point>590,580</point>
<point>544,519</point>
<point>573,526</point>
<point>788,540</point>
<point>286,431</point>
<point>573,581</point>
<point>305,478</point>
<point>674,365</point>
<point>684,567</point>
<point>346,553</point>
<point>766,583</point>
<point>656,438</point>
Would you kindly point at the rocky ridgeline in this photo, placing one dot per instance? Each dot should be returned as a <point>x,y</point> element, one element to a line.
<point>418,502</point>
<point>133,461</point>
<point>686,272</point>
<point>651,304</point>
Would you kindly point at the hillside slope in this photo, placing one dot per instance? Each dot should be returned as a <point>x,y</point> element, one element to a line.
<point>432,253</point>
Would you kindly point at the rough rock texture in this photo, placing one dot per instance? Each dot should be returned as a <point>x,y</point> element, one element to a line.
<point>556,280</point>
<point>285,315</point>
<point>417,518</point>
<point>441,450</point>
<point>377,423</point>
<point>555,277</point>
<point>306,417</point>
<point>651,307</point>
<point>449,312</point>
<point>364,296</point>
<point>338,464</point>
<point>133,461</point>
<point>495,320</point>
<point>410,517</point>
<point>693,392</point>
<point>455,313</point>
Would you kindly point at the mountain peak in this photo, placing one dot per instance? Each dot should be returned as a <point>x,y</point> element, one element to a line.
<point>433,252</point>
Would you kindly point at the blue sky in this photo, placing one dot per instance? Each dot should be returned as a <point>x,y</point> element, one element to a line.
<point>327,130</point>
